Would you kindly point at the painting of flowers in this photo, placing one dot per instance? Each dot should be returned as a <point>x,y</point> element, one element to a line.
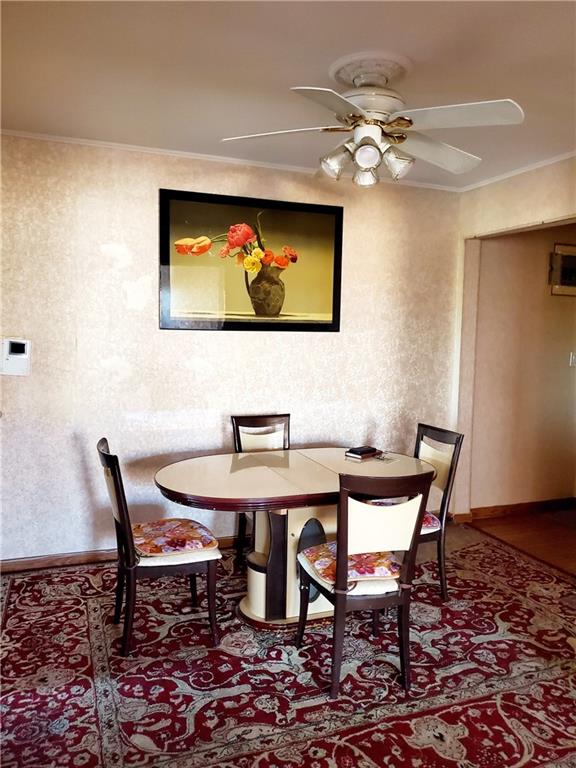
<point>236,263</point>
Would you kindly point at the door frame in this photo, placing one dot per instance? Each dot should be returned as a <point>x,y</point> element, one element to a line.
<point>470,283</point>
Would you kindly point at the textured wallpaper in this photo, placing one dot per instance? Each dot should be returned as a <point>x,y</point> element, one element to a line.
<point>80,279</point>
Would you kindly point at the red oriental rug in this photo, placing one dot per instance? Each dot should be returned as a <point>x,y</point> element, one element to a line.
<point>493,681</point>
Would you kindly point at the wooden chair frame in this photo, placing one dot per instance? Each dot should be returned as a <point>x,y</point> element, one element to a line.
<point>365,488</point>
<point>263,420</point>
<point>129,569</point>
<point>446,437</point>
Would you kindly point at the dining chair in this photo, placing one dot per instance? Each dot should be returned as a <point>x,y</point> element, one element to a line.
<point>166,547</point>
<point>371,564</point>
<point>441,448</point>
<point>265,432</point>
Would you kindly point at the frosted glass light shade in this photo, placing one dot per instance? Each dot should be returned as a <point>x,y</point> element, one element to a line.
<point>364,178</point>
<point>333,163</point>
<point>397,165</point>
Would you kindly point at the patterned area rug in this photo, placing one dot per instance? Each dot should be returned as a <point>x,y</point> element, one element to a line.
<point>493,677</point>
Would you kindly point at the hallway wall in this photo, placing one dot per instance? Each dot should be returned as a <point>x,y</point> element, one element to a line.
<point>524,424</point>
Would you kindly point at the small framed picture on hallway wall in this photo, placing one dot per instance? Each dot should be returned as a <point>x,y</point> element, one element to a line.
<point>238,263</point>
<point>562,276</point>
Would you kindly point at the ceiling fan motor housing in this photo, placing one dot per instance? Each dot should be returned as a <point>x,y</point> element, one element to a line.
<point>379,103</point>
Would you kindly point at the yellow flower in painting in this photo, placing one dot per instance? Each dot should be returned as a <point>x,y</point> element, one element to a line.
<point>252,264</point>
<point>258,253</point>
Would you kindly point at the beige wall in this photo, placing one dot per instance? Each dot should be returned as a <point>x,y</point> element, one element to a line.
<point>543,195</point>
<point>80,264</point>
<point>524,423</point>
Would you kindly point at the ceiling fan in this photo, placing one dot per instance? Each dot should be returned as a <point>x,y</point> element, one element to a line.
<point>375,115</point>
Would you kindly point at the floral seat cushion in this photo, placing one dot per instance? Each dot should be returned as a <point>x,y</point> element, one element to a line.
<point>371,565</point>
<point>430,523</point>
<point>171,536</point>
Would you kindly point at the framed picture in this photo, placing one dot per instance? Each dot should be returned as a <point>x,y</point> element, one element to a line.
<point>562,272</point>
<point>239,263</point>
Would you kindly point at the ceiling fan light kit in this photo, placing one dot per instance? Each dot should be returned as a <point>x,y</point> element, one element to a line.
<point>375,114</point>
<point>367,151</point>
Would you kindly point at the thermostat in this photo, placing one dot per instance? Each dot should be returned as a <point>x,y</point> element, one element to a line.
<point>16,357</point>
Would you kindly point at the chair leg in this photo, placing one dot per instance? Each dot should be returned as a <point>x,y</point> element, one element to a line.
<point>442,566</point>
<point>304,601</point>
<point>240,541</point>
<point>211,589</point>
<point>193,590</point>
<point>337,643</point>
<point>120,579</point>
<point>404,643</point>
<point>376,623</point>
<point>129,612</point>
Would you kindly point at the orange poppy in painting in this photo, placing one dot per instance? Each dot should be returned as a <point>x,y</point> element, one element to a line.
<point>290,253</point>
<point>194,246</point>
<point>281,261</point>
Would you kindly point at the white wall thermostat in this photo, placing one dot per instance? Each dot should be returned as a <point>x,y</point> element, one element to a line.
<point>15,357</point>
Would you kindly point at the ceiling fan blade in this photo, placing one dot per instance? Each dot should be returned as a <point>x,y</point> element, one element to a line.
<point>324,128</point>
<point>477,113</point>
<point>333,101</point>
<point>437,153</point>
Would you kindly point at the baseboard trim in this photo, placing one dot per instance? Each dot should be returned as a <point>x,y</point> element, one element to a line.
<point>465,517</point>
<point>54,561</point>
<point>527,507</point>
<point>75,558</point>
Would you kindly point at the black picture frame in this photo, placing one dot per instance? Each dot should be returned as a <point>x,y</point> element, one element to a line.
<point>206,276</point>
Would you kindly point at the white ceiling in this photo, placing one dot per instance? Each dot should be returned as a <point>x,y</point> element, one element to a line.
<point>182,75</point>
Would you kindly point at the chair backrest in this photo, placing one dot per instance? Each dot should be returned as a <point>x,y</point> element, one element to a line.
<point>444,461</point>
<point>385,527</point>
<point>267,432</point>
<point>113,477</point>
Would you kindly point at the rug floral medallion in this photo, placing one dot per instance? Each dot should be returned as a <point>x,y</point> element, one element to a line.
<point>493,676</point>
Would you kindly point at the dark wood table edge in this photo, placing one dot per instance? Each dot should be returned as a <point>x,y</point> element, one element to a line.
<point>230,504</point>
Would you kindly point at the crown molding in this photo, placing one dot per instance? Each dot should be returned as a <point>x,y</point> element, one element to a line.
<point>518,171</point>
<point>273,166</point>
<point>196,156</point>
<point>149,150</point>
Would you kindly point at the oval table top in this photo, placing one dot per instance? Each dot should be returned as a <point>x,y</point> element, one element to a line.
<point>267,480</point>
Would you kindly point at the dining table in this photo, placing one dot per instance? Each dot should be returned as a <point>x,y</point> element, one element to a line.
<point>293,494</point>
